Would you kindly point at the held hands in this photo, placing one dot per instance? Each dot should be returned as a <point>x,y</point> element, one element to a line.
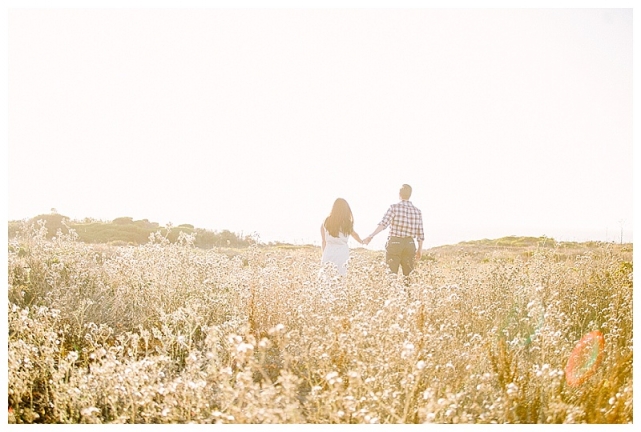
<point>367,239</point>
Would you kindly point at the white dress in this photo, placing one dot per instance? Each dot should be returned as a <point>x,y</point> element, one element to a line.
<point>336,251</point>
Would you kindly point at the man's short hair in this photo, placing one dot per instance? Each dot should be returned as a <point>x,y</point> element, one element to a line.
<point>406,191</point>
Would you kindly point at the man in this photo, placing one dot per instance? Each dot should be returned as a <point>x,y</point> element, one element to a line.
<point>406,224</point>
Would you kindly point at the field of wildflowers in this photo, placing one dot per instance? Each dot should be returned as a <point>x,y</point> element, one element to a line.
<point>168,333</point>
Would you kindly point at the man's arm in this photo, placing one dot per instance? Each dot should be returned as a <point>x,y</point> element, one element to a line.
<point>387,219</point>
<point>419,251</point>
<point>378,229</point>
<point>421,237</point>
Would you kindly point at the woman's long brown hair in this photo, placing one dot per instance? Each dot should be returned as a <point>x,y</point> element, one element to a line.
<point>340,219</point>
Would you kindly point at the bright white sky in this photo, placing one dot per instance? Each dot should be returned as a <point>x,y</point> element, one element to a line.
<point>504,121</point>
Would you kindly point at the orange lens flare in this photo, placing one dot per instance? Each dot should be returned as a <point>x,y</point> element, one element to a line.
<point>585,358</point>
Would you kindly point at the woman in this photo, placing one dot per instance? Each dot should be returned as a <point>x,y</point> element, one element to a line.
<point>335,232</point>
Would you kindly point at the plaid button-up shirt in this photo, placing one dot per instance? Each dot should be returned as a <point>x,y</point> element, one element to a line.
<point>406,220</point>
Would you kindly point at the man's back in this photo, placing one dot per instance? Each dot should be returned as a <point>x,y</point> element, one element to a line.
<point>406,220</point>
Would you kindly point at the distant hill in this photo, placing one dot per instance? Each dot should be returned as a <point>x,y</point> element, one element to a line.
<point>126,231</point>
<point>522,246</point>
<point>521,242</point>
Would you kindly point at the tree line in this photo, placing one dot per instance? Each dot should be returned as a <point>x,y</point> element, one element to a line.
<point>127,231</point>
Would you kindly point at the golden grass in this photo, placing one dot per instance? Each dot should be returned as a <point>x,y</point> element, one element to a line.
<point>168,333</point>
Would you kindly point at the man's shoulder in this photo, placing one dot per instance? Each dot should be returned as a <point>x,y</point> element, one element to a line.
<point>416,209</point>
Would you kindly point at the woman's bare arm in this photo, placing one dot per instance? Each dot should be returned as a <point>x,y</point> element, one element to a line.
<point>357,237</point>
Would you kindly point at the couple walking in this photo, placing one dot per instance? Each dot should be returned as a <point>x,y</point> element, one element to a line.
<point>406,223</point>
